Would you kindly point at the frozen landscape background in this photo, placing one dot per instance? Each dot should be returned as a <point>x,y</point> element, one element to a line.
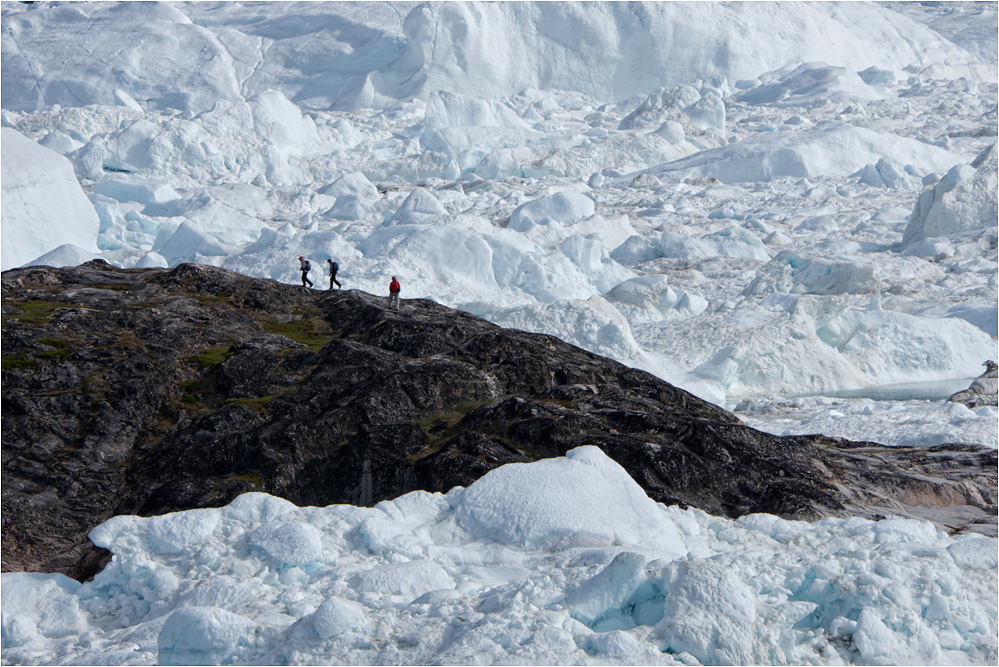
<point>788,209</point>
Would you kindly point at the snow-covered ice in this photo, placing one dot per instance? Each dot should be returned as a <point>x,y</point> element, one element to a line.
<point>561,561</point>
<point>964,199</point>
<point>43,204</point>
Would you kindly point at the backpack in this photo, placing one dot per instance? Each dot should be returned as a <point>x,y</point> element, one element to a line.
<point>306,266</point>
<point>334,267</point>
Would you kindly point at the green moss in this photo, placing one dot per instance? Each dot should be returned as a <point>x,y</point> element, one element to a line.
<point>450,417</point>
<point>61,348</point>
<point>130,341</point>
<point>258,405</point>
<point>569,405</point>
<point>58,343</point>
<point>221,297</point>
<point>19,361</point>
<point>199,392</point>
<point>526,451</point>
<point>197,395</point>
<point>429,450</point>
<point>364,338</point>
<point>439,429</point>
<point>311,331</point>
<point>210,357</point>
<point>467,406</point>
<point>33,312</point>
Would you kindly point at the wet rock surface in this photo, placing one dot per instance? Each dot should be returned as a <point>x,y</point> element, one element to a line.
<point>154,390</point>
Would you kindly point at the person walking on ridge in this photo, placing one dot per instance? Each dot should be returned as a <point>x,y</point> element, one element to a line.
<point>306,266</point>
<point>334,267</point>
<point>394,288</point>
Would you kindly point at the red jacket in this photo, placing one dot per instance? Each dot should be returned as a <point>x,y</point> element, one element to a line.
<point>394,287</point>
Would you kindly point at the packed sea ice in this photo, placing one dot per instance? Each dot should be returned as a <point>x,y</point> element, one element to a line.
<point>561,561</point>
<point>785,208</point>
<point>748,200</point>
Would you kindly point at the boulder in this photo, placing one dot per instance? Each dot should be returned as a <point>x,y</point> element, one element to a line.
<point>983,390</point>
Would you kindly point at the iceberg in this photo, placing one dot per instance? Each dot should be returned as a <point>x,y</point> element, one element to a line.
<point>43,205</point>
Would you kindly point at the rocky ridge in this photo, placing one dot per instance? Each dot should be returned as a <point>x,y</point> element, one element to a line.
<point>146,391</point>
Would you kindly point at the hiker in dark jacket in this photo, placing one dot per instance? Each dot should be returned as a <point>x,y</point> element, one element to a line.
<point>306,266</point>
<point>334,267</point>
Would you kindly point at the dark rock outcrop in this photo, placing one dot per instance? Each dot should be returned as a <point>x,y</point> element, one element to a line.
<point>983,391</point>
<point>150,391</point>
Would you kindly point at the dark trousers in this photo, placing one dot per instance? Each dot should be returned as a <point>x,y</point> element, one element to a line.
<point>334,280</point>
<point>305,279</point>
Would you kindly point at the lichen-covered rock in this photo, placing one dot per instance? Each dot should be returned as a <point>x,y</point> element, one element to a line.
<point>146,391</point>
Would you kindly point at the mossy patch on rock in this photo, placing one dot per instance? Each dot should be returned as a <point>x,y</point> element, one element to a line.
<point>60,348</point>
<point>312,332</point>
<point>211,357</point>
<point>33,312</point>
<point>18,361</point>
<point>259,405</point>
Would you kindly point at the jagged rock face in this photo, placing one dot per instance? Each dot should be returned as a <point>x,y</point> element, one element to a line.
<point>150,391</point>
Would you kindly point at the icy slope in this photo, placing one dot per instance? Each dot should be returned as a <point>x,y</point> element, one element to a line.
<point>190,56</point>
<point>828,150</point>
<point>80,54</point>
<point>613,51</point>
<point>43,204</point>
<point>963,200</point>
<point>563,561</point>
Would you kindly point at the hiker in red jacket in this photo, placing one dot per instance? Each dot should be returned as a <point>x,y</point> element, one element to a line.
<point>394,288</point>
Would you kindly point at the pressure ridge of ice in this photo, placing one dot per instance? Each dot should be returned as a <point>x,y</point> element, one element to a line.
<point>562,561</point>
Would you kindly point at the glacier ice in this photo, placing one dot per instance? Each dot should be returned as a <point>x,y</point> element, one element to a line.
<point>964,199</point>
<point>44,206</point>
